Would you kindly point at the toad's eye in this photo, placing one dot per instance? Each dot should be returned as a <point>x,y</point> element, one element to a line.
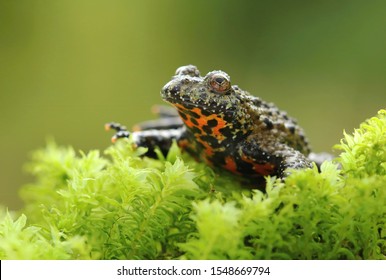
<point>220,83</point>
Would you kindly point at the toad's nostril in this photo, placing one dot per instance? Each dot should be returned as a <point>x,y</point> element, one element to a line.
<point>175,90</point>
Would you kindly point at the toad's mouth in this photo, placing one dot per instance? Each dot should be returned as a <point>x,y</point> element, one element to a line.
<point>206,108</point>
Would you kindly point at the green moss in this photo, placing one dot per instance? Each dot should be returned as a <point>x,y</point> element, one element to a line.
<point>123,206</point>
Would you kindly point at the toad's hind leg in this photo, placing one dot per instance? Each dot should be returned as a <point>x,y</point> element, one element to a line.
<point>121,130</point>
<point>157,138</point>
<point>150,139</point>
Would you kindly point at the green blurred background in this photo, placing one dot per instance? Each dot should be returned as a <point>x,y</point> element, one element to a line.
<point>67,67</point>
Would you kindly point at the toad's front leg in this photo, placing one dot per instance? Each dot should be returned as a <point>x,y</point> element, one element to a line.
<point>276,159</point>
<point>152,138</point>
<point>290,158</point>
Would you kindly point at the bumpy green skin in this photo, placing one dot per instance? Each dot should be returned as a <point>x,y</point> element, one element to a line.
<point>224,126</point>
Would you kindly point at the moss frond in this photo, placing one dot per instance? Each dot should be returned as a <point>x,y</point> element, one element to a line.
<point>119,205</point>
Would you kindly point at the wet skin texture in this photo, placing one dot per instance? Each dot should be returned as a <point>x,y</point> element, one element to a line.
<point>224,126</point>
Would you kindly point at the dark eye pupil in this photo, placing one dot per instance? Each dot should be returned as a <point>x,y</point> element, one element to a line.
<point>219,80</point>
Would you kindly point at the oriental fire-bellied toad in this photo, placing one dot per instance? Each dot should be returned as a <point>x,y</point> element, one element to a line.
<point>224,126</point>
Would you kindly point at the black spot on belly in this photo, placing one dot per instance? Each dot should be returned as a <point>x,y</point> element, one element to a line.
<point>196,130</point>
<point>182,115</point>
<point>213,123</point>
<point>227,131</point>
<point>245,168</point>
<point>194,114</point>
<point>210,140</point>
<point>194,121</point>
<point>207,129</point>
